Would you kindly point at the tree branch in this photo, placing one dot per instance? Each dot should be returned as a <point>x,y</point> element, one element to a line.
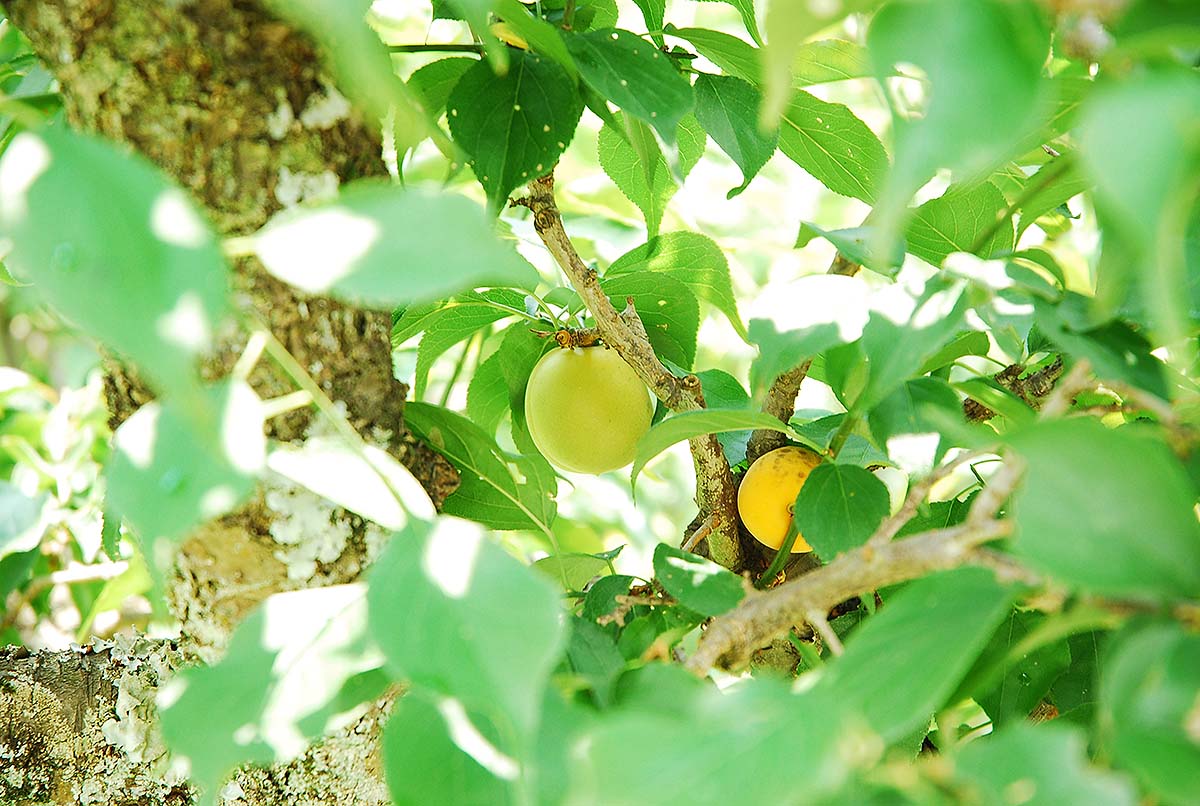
<point>780,402</point>
<point>732,638</point>
<point>715,492</point>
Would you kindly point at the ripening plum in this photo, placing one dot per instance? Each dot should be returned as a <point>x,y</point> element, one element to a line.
<point>586,409</point>
<point>768,493</point>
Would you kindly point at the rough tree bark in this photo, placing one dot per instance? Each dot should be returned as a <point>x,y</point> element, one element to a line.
<point>234,105</point>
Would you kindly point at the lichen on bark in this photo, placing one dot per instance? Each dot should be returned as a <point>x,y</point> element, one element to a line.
<point>229,102</point>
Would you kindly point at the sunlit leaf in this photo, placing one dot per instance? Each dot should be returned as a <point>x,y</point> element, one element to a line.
<point>839,507</point>
<point>175,466</point>
<point>383,246</point>
<point>727,108</point>
<point>697,583</point>
<point>1134,489</point>
<point>113,245</point>
<point>276,684</point>
<point>514,126</point>
<point>432,600</point>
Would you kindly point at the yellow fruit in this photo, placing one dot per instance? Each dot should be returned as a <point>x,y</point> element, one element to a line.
<point>586,409</point>
<point>768,493</point>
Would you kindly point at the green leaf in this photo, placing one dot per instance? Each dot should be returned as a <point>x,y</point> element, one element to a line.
<point>953,221</point>
<point>487,395</point>
<point>1065,183</point>
<point>456,321</point>
<point>21,523</point>
<point>174,467</point>
<point>425,764</point>
<point>636,165</point>
<point>903,334</point>
<point>829,60</point>
<point>1048,761</point>
<point>831,143</point>
<point>694,260</point>
<point>381,246</point>
<point>1132,530</point>
<point>652,13</point>
<point>815,313</point>
<point>858,244</point>
<point>913,408</point>
<point>688,424</point>
<point>433,598</point>
<point>1116,350</point>
<point>978,105</point>
<point>1009,687</point>
<point>635,76</point>
<point>369,483</point>
<point>275,687</point>
<point>971,342</point>
<point>573,571</point>
<point>1074,693</point>
<point>514,126</point>
<point>722,391</point>
<point>927,637</point>
<point>745,9</point>
<point>433,83</point>
<point>519,352</point>
<point>839,507</point>
<point>116,248</point>
<point>1145,193</point>
<point>734,56</point>
<point>727,108</point>
<point>788,24</point>
<point>667,308</point>
<point>543,37</point>
<point>698,584</point>
<point>594,656</point>
<point>601,597</point>
<point>488,491</point>
<point>1148,686</point>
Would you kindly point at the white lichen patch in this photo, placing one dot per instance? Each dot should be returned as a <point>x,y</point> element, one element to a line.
<point>324,110</point>
<point>294,187</point>
<point>305,526</point>
<point>281,120</point>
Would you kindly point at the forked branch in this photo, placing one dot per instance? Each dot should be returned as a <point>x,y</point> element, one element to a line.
<point>626,334</point>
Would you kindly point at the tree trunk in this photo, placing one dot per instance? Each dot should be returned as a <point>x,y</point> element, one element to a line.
<point>233,105</point>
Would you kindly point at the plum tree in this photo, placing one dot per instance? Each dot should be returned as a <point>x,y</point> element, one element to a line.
<point>586,409</point>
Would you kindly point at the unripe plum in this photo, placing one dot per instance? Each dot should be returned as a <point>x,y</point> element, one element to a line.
<point>768,493</point>
<point>586,409</point>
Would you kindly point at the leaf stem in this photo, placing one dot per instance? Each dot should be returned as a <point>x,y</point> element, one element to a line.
<point>1048,176</point>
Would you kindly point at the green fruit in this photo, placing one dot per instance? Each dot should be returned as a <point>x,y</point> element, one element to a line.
<point>586,409</point>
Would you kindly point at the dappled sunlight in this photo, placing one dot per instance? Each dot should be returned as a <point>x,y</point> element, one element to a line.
<point>316,251</point>
<point>813,301</point>
<point>467,737</point>
<point>175,221</point>
<point>26,158</point>
<point>242,439</point>
<point>136,438</point>
<point>451,554</point>
<point>186,325</point>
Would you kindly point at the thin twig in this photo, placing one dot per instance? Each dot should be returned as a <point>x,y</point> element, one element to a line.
<point>1075,381</point>
<point>821,625</point>
<point>917,495</point>
<point>1049,174</point>
<point>780,403</point>
<point>625,333</point>
<point>702,531</point>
